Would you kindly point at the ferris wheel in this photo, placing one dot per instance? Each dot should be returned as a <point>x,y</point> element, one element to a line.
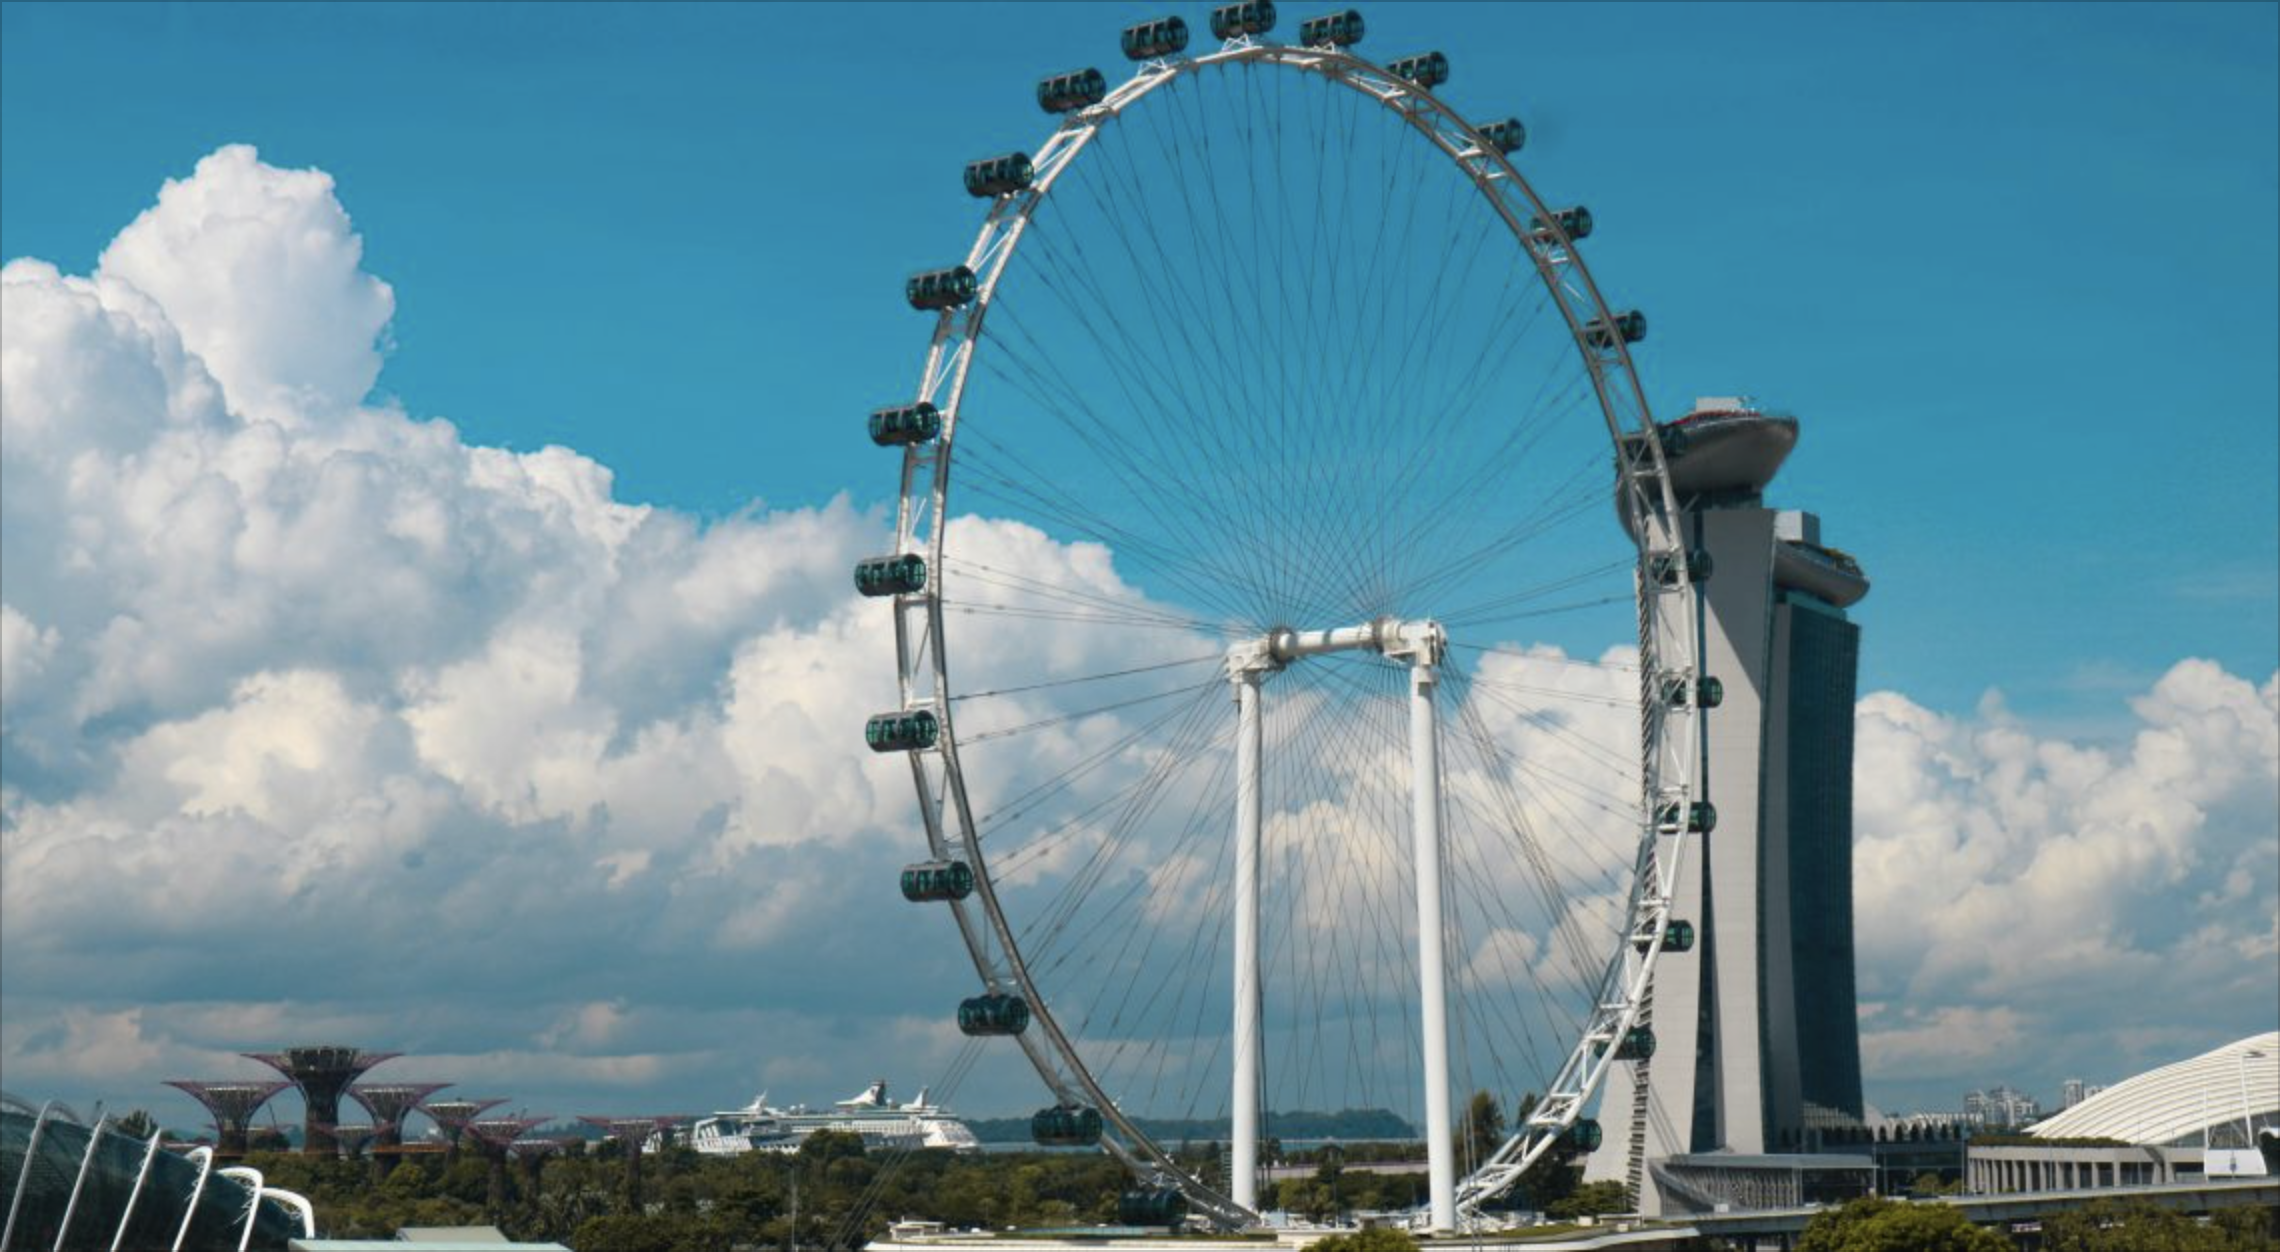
<point>1292,725</point>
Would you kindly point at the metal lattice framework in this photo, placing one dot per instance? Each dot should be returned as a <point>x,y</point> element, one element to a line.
<point>1666,748</point>
<point>632,1133</point>
<point>391,1102</point>
<point>454,1115</point>
<point>232,1105</point>
<point>321,1072</point>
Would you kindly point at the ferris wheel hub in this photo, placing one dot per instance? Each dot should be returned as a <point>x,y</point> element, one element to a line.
<point>1419,642</point>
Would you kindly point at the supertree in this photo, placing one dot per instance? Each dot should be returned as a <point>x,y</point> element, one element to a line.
<point>493,1136</point>
<point>232,1105</point>
<point>322,1072</point>
<point>631,1133</point>
<point>452,1116</point>
<point>390,1103</point>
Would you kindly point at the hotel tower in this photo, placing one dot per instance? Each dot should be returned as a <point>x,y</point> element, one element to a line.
<point>1757,1042</point>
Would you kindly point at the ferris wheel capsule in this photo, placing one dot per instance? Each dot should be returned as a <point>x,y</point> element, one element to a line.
<point>1677,936</point>
<point>1574,223</point>
<point>1581,1138</point>
<point>1507,136</point>
<point>902,732</point>
<point>999,176</point>
<point>1332,30</point>
<point>1152,1206</point>
<point>1067,93</point>
<point>896,575</point>
<point>934,290</point>
<point>993,1014</point>
<point>1630,326</point>
<point>1250,17</point>
<point>1154,40</point>
<point>1065,1126</point>
<point>931,881</point>
<point>1426,69</point>
<point>904,424</point>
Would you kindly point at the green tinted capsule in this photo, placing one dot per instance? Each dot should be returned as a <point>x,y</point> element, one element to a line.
<point>1678,936</point>
<point>1065,1126</point>
<point>906,424</point>
<point>902,732</point>
<point>1426,69</point>
<point>1154,40</point>
<point>999,176</point>
<point>1698,818</point>
<point>1331,30</point>
<point>1664,568</point>
<point>935,290</point>
<point>1630,326</point>
<point>1252,17</point>
<point>1573,223</point>
<point>937,880</point>
<point>891,575</point>
<point>1152,1206</point>
<point>1067,93</point>
<point>1507,136</point>
<point>993,1014</point>
<point>1580,1138</point>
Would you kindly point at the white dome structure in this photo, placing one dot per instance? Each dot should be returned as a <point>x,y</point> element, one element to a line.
<point>2235,1086</point>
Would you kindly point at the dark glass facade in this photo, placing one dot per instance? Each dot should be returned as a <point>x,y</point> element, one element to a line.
<point>1822,670</point>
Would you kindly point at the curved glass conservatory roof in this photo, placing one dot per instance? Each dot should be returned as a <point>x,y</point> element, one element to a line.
<point>64,1184</point>
<point>2217,1098</point>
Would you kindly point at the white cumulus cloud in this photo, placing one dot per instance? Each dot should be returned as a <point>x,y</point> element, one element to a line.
<point>2098,907</point>
<point>319,721</point>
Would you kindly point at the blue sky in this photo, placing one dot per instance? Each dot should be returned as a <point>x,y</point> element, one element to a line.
<point>2013,265</point>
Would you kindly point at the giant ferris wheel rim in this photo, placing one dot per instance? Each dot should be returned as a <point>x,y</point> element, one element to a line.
<point>922,517</point>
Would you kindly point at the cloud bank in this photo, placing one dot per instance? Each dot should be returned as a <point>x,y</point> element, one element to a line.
<point>318,721</point>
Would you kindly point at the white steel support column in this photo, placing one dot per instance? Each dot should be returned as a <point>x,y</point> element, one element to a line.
<point>1249,805</point>
<point>1432,975</point>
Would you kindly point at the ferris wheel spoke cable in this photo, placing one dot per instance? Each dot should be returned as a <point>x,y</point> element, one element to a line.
<point>1303,932</point>
<point>1622,772</point>
<point>1479,562</point>
<point>1491,476</point>
<point>1493,467</point>
<point>1330,965</point>
<point>1190,741</point>
<point>1052,683</point>
<point>1062,719</point>
<point>1548,874</point>
<point>1372,740</point>
<point>1279,458</point>
<point>1195,825</point>
<point>1209,586</point>
<point>1020,805</point>
<point>1134,805</point>
<point>1617,667</point>
<point>1192,474</point>
<point>1113,454</point>
<point>1542,874</point>
<point>1573,606</point>
<point>1199,444</point>
<point>1241,330</point>
<point>1047,589</point>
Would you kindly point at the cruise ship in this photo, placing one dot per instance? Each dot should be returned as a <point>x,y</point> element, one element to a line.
<point>883,1124</point>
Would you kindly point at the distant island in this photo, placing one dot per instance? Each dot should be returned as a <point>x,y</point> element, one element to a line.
<point>1377,1125</point>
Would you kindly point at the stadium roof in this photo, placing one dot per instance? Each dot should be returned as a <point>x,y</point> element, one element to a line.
<point>2177,1104</point>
